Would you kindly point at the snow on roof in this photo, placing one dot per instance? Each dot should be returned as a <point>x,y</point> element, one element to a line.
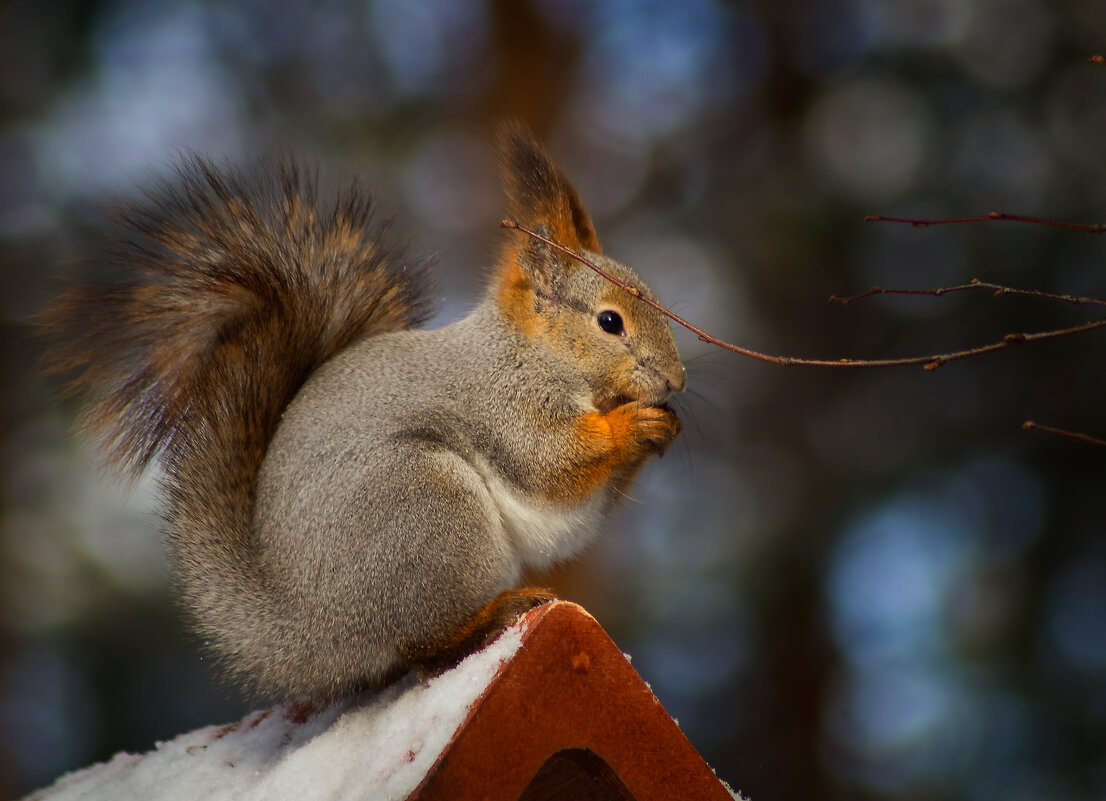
<point>379,746</point>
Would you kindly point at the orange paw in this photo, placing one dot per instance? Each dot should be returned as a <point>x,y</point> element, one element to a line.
<point>614,444</point>
<point>432,658</point>
<point>654,426</point>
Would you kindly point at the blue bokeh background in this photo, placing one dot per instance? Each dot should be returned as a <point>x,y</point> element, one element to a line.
<point>843,584</point>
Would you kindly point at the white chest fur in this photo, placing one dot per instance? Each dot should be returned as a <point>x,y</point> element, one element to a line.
<point>543,533</point>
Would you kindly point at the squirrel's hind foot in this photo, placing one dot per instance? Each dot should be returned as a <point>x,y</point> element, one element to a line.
<point>430,659</point>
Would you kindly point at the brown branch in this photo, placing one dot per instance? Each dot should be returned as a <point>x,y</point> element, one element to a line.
<point>975,283</point>
<point>930,362</point>
<point>1029,424</point>
<point>1091,228</point>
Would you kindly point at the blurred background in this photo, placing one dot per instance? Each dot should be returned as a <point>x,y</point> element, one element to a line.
<point>866,584</point>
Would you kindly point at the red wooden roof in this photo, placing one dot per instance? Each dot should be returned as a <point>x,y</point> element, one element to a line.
<point>568,718</point>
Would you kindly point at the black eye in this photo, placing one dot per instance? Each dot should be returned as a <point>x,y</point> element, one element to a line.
<point>610,321</point>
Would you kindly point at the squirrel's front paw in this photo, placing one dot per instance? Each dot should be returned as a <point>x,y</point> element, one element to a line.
<point>657,426</point>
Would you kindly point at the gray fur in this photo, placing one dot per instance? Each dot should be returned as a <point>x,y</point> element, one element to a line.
<point>374,502</point>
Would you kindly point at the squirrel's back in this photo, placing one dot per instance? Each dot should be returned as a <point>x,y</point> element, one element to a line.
<point>232,288</point>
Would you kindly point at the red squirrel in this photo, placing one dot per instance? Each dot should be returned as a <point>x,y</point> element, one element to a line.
<point>347,495</point>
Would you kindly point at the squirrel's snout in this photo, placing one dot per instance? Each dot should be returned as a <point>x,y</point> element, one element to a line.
<point>676,381</point>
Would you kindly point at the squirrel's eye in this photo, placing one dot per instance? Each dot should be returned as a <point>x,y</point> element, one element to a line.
<point>610,321</point>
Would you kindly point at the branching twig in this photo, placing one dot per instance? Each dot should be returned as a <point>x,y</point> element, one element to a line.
<point>975,283</point>
<point>1091,228</point>
<point>1096,228</point>
<point>929,362</point>
<point>1029,424</point>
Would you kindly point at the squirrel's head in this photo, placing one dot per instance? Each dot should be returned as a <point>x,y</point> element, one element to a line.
<point>623,345</point>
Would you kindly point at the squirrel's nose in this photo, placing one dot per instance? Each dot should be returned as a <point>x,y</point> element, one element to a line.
<point>676,381</point>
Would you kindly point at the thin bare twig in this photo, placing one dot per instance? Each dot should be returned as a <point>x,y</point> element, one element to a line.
<point>929,362</point>
<point>1091,228</point>
<point>998,289</point>
<point>1029,424</point>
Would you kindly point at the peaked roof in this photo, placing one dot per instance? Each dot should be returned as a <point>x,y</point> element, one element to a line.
<point>568,717</point>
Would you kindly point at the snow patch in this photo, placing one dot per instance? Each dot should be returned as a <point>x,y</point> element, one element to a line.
<point>379,746</point>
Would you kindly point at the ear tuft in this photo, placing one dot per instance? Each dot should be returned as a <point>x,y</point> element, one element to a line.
<point>538,192</point>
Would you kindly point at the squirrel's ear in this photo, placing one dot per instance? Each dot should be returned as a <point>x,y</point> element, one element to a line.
<point>538,192</point>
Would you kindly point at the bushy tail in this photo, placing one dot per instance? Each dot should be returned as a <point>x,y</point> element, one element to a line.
<point>230,290</point>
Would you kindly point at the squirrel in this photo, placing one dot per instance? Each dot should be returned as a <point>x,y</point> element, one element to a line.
<point>347,495</point>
